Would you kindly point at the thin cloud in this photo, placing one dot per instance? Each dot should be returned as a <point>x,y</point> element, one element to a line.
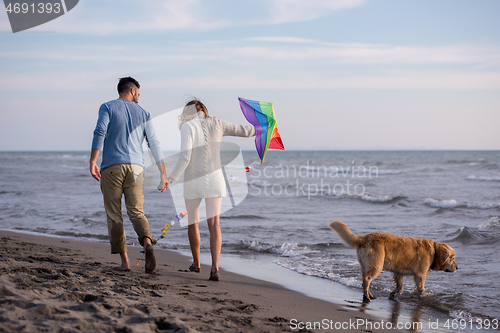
<point>278,39</point>
<point>374,54</point>
<point>285,62</point>
<point>304,10</point>
<point>284,49</point>
<point>404,80</point>
<point>229,81</point>
<point>104,17</point>
<point>76,80</point>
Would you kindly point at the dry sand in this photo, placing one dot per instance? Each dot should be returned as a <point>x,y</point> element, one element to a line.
<point>50,284</point>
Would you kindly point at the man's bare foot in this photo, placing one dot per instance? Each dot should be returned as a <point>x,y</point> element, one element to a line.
<point>150,259</point>
<point>125,266</point>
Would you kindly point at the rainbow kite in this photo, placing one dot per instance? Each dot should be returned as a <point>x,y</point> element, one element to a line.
<point>261,115</point>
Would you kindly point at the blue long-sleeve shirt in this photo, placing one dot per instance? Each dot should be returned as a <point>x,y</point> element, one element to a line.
<point>121,129</point>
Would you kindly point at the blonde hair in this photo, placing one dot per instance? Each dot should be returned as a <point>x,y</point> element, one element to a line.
<point>191,109</point>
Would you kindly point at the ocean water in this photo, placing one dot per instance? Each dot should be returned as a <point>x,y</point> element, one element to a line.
<point>448,196</point>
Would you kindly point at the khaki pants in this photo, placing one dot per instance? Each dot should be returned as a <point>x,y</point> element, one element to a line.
<point>127,179</point>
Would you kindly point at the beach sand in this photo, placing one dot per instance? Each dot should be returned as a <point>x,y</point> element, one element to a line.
<point>52,284</point>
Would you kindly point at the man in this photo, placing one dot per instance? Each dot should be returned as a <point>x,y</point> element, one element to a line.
<point>120,131</point>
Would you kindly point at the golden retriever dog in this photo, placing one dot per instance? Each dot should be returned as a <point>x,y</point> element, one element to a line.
<point>400,255</point>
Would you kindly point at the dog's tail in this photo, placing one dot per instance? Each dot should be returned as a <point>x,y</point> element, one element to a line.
<point>346,234</point>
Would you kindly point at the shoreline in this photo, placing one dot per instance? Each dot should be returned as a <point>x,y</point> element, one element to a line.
<point>67,283</point>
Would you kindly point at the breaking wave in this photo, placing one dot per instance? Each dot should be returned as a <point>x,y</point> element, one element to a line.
<point>388,172</point>
<point>484,178</point>
<point>452,203</point>
<point>493,222</point>
<point>381,198</point>
<point>285,250</point>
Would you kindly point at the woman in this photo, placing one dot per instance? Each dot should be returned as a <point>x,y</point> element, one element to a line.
<point>203,179</point>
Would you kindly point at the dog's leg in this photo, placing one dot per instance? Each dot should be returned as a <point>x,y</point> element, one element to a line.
<point>367,296</point>
<point>368,277</point>
<point>398,279</point>
<point>420,282</point>
<point>372,263</point>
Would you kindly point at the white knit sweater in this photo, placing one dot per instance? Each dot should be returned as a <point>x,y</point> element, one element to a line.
<point>200,155</point>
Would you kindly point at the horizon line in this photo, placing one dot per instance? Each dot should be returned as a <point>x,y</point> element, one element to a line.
<point>287,150</point>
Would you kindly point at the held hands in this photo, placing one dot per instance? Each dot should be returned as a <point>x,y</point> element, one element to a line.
<point>164,184</point>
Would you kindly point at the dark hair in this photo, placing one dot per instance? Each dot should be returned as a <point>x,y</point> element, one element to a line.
<point>127,83</point>
<point>199,106</point>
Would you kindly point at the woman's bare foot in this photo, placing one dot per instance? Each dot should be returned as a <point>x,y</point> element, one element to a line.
<point>122,268</point>
<point>214,275</point>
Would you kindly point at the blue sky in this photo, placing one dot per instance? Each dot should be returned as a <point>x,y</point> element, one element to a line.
<point>342,74</point>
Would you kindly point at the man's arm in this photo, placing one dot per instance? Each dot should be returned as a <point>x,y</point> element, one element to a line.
<point>94,168</point>
<point>164,183</point>
<point>100,132</point>
<point>154,146</point>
